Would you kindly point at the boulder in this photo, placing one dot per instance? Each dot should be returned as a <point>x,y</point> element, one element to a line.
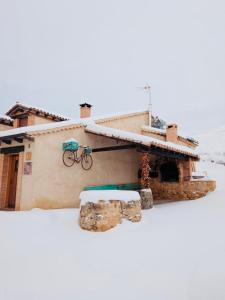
<point>102,215</point>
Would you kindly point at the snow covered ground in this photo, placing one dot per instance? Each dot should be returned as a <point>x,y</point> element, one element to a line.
<point>212,145</point>
<point>176,252</point>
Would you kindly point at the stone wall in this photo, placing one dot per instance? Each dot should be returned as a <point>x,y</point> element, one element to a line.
<point>176,191</point>
<point>105,215</point>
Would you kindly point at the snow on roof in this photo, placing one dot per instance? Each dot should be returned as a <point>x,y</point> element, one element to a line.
<point>71,140</point>
<point>43,127</point>
<point>56,125</point>
<point>107,195</point>
<point>163,132</point>
<point>36,109</point>
<point>154,129</point>
<point>4,117</point>
<point>138,138</point>
<point>98,129</point>
<point>6,120</point>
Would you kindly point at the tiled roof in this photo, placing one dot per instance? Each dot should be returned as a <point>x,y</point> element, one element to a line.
<point>37,111</point>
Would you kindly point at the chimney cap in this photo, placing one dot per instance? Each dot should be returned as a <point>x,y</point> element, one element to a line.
<point>85,104</point>
<point>172,125</point>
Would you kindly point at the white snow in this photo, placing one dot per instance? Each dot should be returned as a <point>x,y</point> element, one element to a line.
<point>5,117</point>
<point>212,145</point>
<point>71,140</point>
<point>154,129</point>
<point>43,127</point>
<point>138,138</point>
<point>177,252</point>
<point>163,131</point>
<point>107,195</point>
<point>198,174</point>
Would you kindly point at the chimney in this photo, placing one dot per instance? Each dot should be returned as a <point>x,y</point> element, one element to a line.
<point>85,110</point>
<point>171,133</point>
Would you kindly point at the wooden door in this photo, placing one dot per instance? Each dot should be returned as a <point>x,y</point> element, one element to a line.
<point>12,181</point>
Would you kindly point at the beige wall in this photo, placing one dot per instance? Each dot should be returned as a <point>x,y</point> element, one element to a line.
<point>184,142</point>
<point>5,127</point>
<point>52,185</point>
<point>41,120</point>
<point>133,122</point>
<point>154,135</point>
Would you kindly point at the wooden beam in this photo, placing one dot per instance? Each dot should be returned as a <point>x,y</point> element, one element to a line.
<point>16,137</point>
<point>12,150</point>
<point>19,140</point>
<point>168,153</point>
<point>114,148</point>
<point>7,141</point>
<point>29,138</point>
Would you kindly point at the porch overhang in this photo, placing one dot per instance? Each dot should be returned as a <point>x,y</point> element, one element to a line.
<point>19,138</point>
<point>141,143</point>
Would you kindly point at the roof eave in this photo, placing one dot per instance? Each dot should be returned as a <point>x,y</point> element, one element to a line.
<point>19,138</point>
<point>35,111</point>
<point>148,145</point>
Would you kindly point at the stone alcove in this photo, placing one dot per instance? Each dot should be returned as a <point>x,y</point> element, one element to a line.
<point>169,172</point>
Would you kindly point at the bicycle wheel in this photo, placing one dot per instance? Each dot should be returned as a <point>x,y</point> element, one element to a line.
<point>68,158</point>
<point>86,161</point>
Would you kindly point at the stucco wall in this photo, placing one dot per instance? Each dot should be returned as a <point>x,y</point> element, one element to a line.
<point>154,135</point>
<point>52,185</point>
<point>133,122</point>
<point>5,127</point>
<point>40,120</point>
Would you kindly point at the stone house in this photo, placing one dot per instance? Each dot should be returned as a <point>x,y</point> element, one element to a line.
<point>32,173</point>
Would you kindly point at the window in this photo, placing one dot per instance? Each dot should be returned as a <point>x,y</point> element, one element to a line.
<point>23,122</point>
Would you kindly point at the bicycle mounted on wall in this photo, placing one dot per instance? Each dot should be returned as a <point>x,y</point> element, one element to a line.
<point>71,154</point>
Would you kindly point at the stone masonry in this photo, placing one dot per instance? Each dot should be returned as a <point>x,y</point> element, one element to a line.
<point>105,215</point>
<point>176,191</point>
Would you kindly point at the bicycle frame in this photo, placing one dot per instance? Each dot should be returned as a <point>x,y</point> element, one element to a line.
<point>79,157</point>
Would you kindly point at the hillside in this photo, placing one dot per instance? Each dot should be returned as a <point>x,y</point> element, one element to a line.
<point>212,145</point>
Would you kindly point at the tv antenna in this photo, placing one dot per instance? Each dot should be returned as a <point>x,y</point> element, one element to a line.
<point>147,88</point>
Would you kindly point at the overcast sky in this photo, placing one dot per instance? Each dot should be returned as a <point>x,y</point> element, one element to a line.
<point>56,54</point>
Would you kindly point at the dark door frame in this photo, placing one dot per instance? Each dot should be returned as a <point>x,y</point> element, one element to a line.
<point>10,152</point>
<point>12,181</point>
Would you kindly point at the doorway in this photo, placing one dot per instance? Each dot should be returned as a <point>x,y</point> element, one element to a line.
<point>12,181</point>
